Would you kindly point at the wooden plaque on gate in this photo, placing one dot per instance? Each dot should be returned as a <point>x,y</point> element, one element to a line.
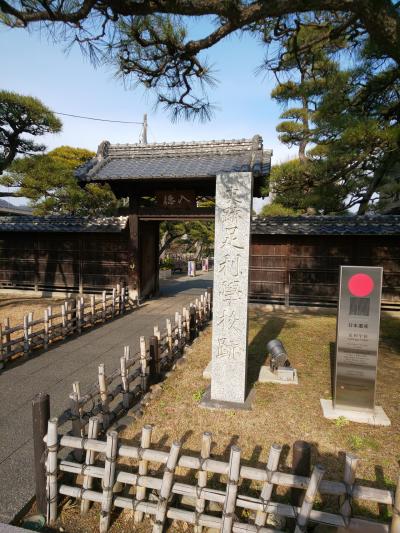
<point>176,199</point>
<point>357,337</point>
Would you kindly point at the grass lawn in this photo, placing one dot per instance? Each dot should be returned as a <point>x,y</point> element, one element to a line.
<point>280,414</point>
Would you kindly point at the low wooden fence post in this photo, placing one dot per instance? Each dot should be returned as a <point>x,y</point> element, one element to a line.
<point>104,396</point>
<point>78,318</point>
<point>192,324</point>
<point>113,303</point>
<point>46,329</point>
<point>123,299</point>
<point>187,323</point>
<point>143,466</point>
<point>93,431</point>
<point>210,302</point>
<point>154,358</point>
<point>103,306</point>
<point>202,479</point>
<point>64,320</point>
<point>198,314</point>
<point>26,335</point>
<point>93,309</point>
<point>202,319</point>
<point>2,355</point>
<point>157,333</point>
<point>143,366</point>
<point>180,333</point>
<point>30,320</point>
<point>52,471</point>
<point>81,315</point>
<point>349,478</point>
<point>76,422</point>
<point>50,316</point>
<point>266,492</point>
<point>127,352</point>
<point>231,490</point>
<point>71,323</point>
<point>40,420</point>
<point>108,480</point>
<point>126,398</point>
<point>169,336</point>
<point>166,486</point>
<point>185,326</point>
<point>118,300</point>
<point>7,335</point>
<point>304,514</point>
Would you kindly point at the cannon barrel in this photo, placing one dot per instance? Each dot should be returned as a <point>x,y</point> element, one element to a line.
<point>278,354</point>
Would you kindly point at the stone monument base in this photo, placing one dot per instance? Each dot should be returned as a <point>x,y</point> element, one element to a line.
<point>267,376</point>
<point>376,418</point>
<point>207,403</point>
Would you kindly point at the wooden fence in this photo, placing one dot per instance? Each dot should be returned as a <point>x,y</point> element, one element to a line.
<point>100,462</point>
<point>70,317</point>
<point>124,388</point>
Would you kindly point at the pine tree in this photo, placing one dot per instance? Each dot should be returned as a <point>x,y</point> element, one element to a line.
<point>49,183</point>
<point>350,126</point>
<point>21,116</point>
<point>309,73</point>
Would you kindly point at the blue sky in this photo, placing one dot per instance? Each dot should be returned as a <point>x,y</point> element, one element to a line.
<point>31,64</point>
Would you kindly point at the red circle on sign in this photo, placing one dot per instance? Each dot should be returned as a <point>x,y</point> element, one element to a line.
<point>360,285</point>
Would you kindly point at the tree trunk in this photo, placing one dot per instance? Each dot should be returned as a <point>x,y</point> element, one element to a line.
<point>306,126</point>
<point>379,174</point>
<point>167,241</point>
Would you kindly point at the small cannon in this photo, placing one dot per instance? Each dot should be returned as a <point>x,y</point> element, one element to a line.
<point>278,355</point>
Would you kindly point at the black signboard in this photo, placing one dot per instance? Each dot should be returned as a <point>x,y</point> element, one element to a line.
<point>357,337</point>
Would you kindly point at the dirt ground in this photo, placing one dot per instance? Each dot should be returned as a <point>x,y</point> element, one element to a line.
<point>15,307</point>
<point>280,414</point>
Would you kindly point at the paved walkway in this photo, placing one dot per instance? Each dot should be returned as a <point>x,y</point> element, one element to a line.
<point>55,370</point>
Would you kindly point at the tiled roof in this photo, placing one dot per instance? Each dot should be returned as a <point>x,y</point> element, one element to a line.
<point>176,160</point>
<point>327,225</point>
<point>303,225</point>
<point>63,224</point>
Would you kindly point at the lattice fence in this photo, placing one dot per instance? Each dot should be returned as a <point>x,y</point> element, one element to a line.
<point>101,471</point>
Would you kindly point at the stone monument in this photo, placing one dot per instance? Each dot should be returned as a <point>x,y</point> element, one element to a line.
<point>357,340</point>
<point>231,283</point>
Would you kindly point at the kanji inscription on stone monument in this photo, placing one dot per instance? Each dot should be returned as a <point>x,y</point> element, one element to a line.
<point>231,281</point>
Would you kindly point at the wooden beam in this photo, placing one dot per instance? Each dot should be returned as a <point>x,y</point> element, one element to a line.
<point>158,214</point>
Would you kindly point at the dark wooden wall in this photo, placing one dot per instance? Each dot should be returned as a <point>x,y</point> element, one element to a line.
<point>63,261</point>
<point>283,269</point>
<point>305,269</point>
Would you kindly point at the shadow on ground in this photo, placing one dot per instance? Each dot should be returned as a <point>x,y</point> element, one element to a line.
<point>257,350</point>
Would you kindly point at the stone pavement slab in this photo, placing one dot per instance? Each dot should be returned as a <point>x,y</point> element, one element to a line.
<point>55,370</point>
